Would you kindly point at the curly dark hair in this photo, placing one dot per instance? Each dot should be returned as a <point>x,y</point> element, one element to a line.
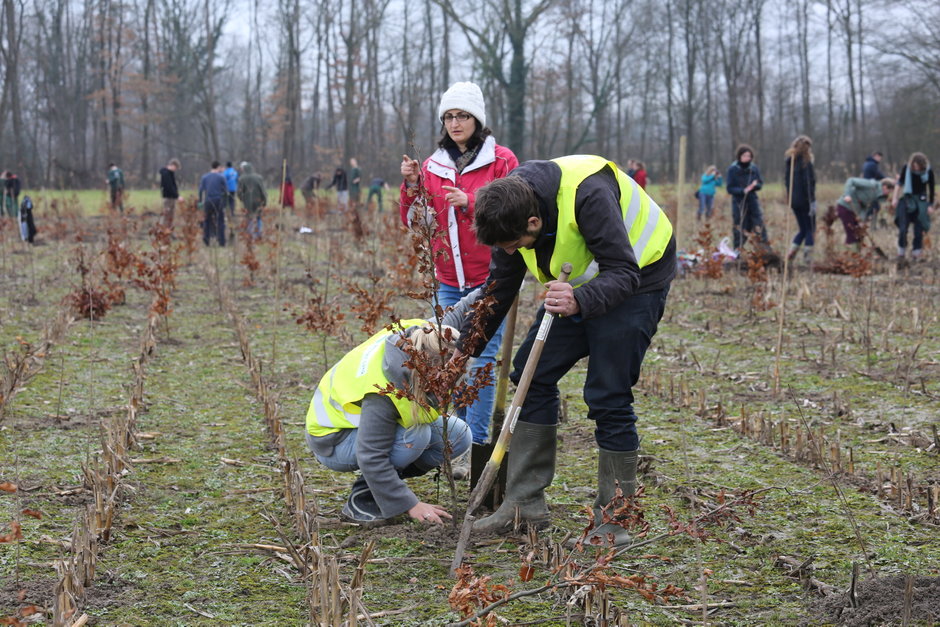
<point>743,148</point>
<point>502,210</point>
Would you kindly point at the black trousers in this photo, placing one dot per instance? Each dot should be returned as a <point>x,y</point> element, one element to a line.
<point>214,222</point>
<point>615,344</point>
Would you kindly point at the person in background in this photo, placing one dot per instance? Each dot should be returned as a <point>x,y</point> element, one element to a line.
<point>857,197</point>
<point>169,190</point>
<point>743,182</point>
<point>631,167</point>
<point>116,185</point>
<point>872,170</point>
<point>4,205</point>
<point>231,187</point>
<point>212,194</point>
<point>872,167</point>
<point>375,189</point>
<point>467,158</point>
<point>11,193</point>
<point>341,183</point>
<point>913,201</point>
<point>287,191</point>
<point>706,192</point>
<point>254,197</point>
<point>27,222</point>
<point>349,426</point>
<point>639,175</point>
<point>798,169</point>
<point>355,182</point>
<point>309,188</point>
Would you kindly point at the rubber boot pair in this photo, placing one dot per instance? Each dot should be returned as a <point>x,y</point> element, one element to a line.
<point>361,506</point>
<point>530,469</point>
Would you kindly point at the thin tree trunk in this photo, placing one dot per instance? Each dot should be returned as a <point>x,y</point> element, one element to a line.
<point>145,95</point>
<point>760,71</point>
<point>350,106</point>
<point>209,78</point>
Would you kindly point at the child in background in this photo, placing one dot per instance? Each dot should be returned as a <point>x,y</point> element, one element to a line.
<point>706,192</point>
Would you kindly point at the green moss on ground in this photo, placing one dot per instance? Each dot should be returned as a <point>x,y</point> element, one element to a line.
<point>175,547</point>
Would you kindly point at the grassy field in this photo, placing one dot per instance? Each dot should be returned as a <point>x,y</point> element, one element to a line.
<point>814,420</point>
<point>91,202</point>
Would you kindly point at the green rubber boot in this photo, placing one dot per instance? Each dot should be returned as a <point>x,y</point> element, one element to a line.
<point>530,469</point>
<point>612,467</point>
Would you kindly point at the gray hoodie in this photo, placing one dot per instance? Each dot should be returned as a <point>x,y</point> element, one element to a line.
<point>378,424</point>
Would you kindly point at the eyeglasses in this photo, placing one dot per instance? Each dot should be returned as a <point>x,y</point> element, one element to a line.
<point>447,118</point>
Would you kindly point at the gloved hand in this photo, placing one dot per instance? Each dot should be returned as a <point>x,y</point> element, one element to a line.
<point>812,208</point>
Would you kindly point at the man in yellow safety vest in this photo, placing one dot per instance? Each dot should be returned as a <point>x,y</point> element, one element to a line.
<point>583,210</point>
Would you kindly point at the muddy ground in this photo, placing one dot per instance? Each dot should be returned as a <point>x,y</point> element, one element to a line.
<point>836,436</point>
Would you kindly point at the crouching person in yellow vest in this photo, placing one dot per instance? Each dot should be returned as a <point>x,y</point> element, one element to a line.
<point>388,439</point>
<point>585,211</point>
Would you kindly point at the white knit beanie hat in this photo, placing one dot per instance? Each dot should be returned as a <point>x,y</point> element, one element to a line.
<point>465,96</point>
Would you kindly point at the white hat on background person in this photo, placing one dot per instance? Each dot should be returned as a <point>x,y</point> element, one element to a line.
<point>465,96</point>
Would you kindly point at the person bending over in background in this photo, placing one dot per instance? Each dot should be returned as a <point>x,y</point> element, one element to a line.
<point>375,189</point>
<point>309,189</point>
<point>857,197</point>
<point>341,183</point>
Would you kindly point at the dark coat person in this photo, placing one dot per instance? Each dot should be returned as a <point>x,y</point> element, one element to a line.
<point>743,182</point>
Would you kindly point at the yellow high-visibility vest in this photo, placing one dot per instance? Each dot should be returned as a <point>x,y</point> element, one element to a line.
<point>647,226</point>
<point>336,402</point>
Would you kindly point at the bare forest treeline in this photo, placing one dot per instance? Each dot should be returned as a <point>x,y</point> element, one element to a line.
<point>87,82</point>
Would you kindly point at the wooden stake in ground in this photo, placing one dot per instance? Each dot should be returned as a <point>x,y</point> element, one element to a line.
<point>482,452</point>
<point>505,434</point>
<point>680,190</point>
<point>784,286</point>
<point>277,262</point>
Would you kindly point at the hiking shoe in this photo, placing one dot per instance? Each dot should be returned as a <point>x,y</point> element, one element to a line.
<point>460,466</point>
<point>361,506</point>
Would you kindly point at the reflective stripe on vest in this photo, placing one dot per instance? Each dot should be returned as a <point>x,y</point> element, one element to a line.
<point>646,225</point>
<point>336,403</point>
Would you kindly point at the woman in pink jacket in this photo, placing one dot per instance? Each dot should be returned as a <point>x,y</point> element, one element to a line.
<point>467,158</point>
